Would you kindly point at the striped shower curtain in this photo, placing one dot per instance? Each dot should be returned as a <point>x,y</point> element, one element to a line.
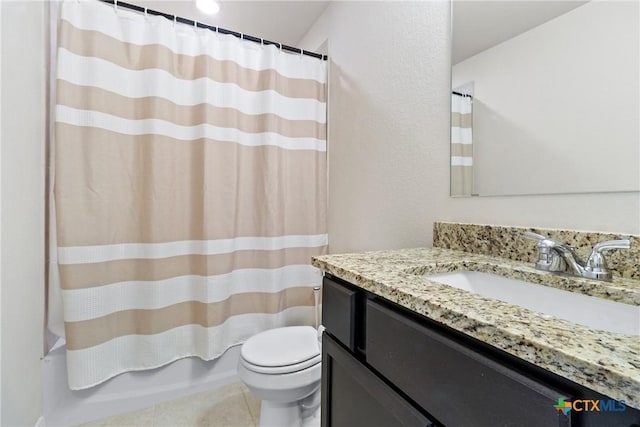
<point>461,145</point>
<point>190,189</point>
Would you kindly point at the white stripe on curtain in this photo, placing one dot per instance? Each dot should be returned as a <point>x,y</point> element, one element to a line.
<point>461,161</point>
<point>138,84</point>
<point>102,253</point>
<point>112,123</point>
<point>88,303</point>
<point>149,351</point>
<point>190,189</point>
<point>460,135</point>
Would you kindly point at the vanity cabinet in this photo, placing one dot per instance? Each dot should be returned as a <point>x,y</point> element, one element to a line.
<point>357,397</point>
<point>384,365</point>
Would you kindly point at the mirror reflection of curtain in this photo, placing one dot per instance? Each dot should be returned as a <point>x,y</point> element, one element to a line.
<point>461,145</point>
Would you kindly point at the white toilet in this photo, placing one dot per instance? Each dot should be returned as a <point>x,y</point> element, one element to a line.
<point>282,367</point>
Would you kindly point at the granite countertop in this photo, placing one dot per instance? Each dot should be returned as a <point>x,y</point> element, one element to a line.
<point>606,362</point>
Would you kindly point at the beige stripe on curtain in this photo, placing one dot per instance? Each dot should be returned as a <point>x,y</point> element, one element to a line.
<point>190,189</point>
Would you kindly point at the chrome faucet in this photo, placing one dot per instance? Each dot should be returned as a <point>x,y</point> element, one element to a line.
<point>554,256</point>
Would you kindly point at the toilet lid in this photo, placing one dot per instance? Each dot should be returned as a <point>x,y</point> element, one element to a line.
<point>281,347</point>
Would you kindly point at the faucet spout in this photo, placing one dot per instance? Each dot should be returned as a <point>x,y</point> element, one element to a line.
<point>570,257</point>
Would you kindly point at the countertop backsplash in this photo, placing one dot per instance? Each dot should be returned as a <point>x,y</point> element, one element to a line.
<point>508,242</point>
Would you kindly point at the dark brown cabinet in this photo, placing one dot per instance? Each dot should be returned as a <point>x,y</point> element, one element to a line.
<point>440,374</point>
<point>356,397</point>
<point>384,365</point>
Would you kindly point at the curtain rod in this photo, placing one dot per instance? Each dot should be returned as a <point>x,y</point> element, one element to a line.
<point>461,94</point>
<point>214,29</point>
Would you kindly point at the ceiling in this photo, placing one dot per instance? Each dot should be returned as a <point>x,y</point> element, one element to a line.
<point>479,25</point>
<point>280,21</point>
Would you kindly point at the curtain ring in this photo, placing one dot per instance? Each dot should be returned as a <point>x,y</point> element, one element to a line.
<point>115,5</point>
<point>145,13</point>
<point>175,19</point>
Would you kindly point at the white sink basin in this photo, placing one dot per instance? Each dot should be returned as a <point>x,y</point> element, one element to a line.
<point>596,313</point>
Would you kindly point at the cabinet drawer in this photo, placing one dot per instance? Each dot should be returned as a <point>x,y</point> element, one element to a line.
<point>339,311</point>
<point>353,396</point>
<point>457,386</point>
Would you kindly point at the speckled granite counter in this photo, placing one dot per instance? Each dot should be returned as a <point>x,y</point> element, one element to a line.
<point>606,362</point>
<point>509,242</point>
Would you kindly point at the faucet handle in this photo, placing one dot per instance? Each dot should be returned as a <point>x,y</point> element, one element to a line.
<point>612,244</point>
<point>534,236</point>
<point>597,267</point>
<point>549,259</point>
<point>544,241</point>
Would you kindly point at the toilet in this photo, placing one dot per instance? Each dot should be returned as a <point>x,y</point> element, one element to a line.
<point>282,367</point>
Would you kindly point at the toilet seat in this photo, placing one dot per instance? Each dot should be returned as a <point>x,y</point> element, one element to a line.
<point>286,369</point>
<point>281,350</point>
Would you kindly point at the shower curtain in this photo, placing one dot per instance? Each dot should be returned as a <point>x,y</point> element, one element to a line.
<point>190,189</point>
<point>461,145</point>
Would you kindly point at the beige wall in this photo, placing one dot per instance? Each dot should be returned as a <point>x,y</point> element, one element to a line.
<point>389,136</point>
<point>22,195</point>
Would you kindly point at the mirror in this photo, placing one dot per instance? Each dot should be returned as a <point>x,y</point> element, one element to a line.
<point>545,97</point>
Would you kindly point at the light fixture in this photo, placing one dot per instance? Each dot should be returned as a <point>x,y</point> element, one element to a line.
<point>210,7</point>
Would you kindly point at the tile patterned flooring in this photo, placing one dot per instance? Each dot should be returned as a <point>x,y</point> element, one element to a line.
<point>229,406</point>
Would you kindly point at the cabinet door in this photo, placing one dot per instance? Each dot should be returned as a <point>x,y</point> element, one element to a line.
<point>457,385</point>
<point>339,311</point>
<point>353,396</point>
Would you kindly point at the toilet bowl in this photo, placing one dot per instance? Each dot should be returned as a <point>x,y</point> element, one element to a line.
<point>283,367</point>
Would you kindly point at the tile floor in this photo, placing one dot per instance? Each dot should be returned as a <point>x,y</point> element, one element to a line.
<point>229,406</point>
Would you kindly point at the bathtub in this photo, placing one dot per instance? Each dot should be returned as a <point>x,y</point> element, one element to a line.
<point>131,390</point>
